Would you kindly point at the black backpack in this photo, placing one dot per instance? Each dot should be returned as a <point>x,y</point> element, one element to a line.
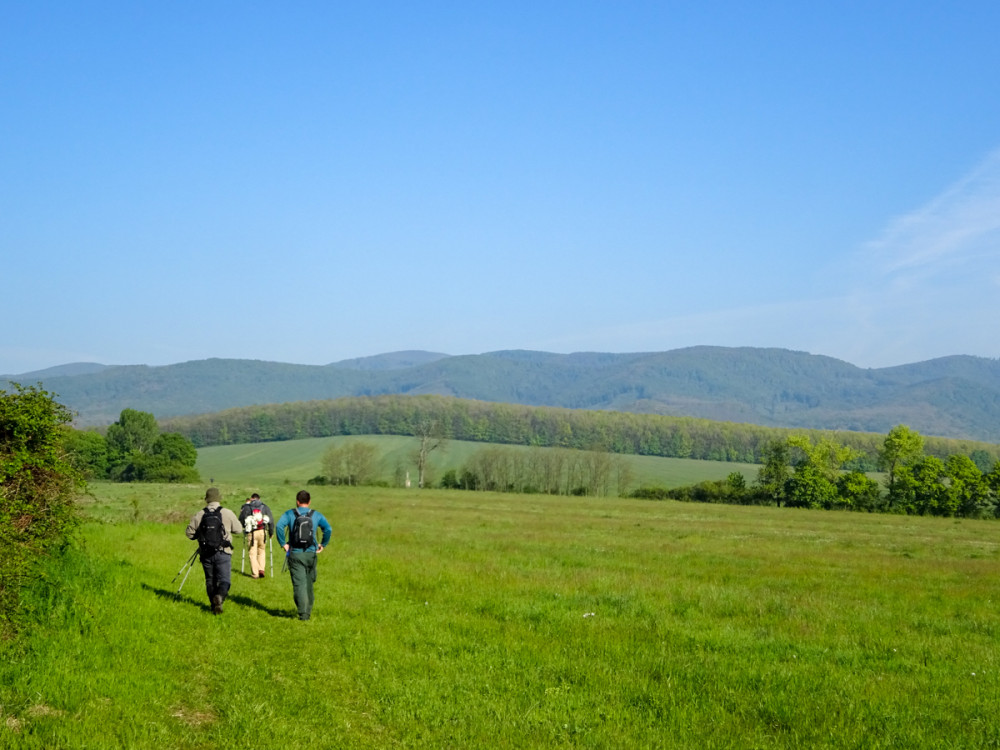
<point>211,533</point>
<point>302,531</point>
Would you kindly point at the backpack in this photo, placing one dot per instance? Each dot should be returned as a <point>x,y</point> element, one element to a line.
<point>211,534</point>
<point>257,514</point>
<point>301,535</point>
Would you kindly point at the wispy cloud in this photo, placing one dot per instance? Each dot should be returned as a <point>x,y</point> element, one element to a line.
<point>926,287</point>
<point>959,226</point>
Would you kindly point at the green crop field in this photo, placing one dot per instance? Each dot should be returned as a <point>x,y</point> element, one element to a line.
<point>299,460</point>
<point>447,619</point>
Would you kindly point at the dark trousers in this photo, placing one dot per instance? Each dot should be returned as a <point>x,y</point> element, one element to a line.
<point>218,567</point>
<point>302,568</point>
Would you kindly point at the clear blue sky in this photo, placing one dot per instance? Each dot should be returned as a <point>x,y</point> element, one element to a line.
<point>308,182</point>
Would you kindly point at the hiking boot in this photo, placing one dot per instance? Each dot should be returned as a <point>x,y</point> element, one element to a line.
<point>262,574</point>
<point>217,604</point>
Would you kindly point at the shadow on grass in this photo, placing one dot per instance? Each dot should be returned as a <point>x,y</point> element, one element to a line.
<point>177,597</point>
<point>245,601</point>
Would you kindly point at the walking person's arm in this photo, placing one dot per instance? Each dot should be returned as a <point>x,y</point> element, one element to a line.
<point>281,531</point>
<point>233,524</point>
<point>192,528</point>
<point>327,531</point>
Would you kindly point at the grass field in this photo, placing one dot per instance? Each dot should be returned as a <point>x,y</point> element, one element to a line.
<point>300,460</point>
<point>460,620</point>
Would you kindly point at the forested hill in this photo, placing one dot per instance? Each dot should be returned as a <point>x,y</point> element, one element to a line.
<point>951,397</point>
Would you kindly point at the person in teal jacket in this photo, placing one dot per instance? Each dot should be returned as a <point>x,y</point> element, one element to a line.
<point>301,548</point>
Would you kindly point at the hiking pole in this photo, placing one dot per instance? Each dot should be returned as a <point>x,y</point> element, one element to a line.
<point>187,574</point>
<point>189,562</point>
<point>244,559</point>
<point>272,557</point>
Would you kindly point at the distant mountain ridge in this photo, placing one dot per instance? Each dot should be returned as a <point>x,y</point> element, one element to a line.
<point>951,397</point>
<point>73,368</point>
<point>390,361</point>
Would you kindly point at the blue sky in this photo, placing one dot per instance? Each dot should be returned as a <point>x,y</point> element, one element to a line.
<point>309,182</point>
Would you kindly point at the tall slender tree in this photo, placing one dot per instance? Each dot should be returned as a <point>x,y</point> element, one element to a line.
<point>901,447</point>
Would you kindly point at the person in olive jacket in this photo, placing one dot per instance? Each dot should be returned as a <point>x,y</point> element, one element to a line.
<point>213,527</point>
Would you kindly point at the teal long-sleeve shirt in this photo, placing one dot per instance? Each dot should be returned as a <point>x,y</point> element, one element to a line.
<point>283,529</point>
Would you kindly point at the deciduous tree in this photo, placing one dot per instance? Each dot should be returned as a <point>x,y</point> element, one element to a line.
<point>352,462</point>
<point>139,453</point>
<point>858,491</point>
<point>430,433</point>
<point>968,491</point>
<point>774,474</point>
<point>135,431</point>
<point>901,447</point>
<point>87,451</point>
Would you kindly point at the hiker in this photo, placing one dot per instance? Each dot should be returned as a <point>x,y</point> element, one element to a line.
<point>212,527</point>
<point>296,532</point>
<point>256,521</point>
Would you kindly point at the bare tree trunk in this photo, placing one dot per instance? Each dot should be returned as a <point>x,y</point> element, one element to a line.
<point>431,438</point>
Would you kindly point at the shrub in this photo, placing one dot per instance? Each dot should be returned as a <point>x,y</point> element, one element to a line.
<point>38,486</point>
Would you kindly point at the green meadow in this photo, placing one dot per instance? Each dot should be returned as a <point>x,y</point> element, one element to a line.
<point>450,619</point>
<point>299,460</point>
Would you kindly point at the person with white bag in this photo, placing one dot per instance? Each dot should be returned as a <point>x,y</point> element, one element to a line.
<point>259,527</point>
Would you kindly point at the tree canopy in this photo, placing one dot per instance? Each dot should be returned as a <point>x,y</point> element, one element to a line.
<point>133,451</point>
<point>802,473</point>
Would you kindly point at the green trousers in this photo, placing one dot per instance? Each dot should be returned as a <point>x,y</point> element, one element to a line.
<point>302,568</point>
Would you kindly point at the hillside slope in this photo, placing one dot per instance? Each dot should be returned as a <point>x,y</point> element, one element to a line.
<point>951,397</point>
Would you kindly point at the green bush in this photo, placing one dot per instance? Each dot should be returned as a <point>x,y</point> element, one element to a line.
<point>38,486</point>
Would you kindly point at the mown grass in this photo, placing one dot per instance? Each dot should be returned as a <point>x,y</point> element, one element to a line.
<point>452,619</point>
<point>299,460</point>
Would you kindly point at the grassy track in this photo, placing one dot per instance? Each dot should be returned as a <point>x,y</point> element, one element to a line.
<point>460,620</point>
<point>299,460</point>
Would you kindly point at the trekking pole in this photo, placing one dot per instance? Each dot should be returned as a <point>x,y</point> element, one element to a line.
<point>272,556</point>
<point>187,574</point>
<point>244,558</point>
<point>189,562</point>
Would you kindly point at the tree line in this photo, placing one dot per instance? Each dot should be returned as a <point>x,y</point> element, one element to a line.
<point>512,424</point>
<point>495,468</point>
<point>798,472</point>
<point>552,471</point>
